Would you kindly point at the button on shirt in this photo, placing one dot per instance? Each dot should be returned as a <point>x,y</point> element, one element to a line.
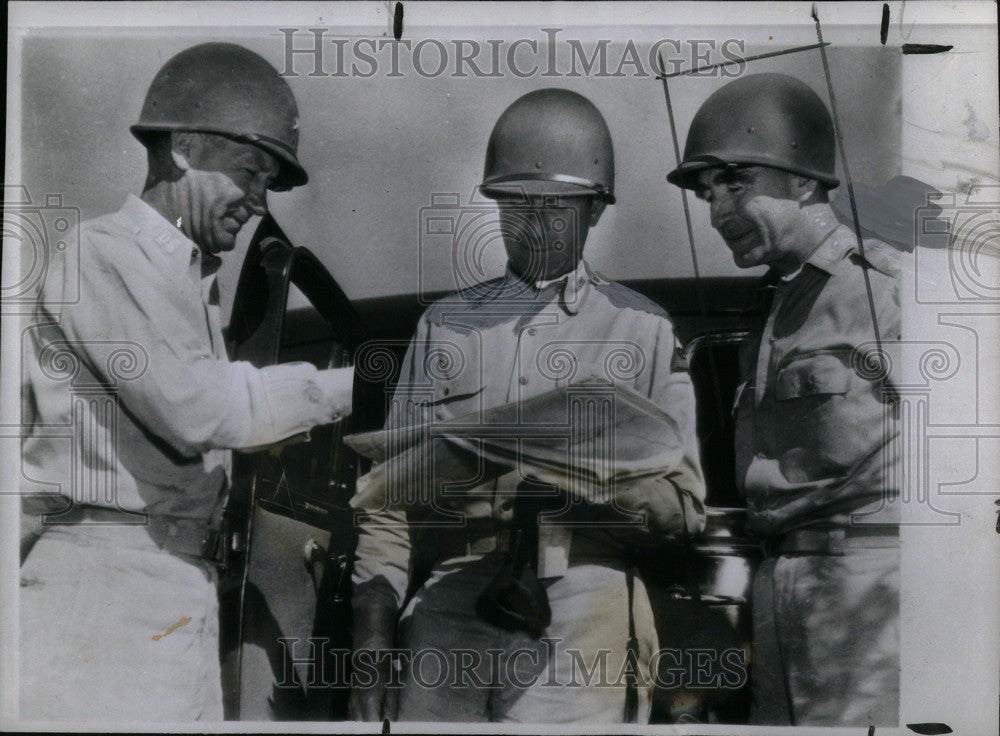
<point>135,400</point>
<point>506,340</point>
<point>816,439</point>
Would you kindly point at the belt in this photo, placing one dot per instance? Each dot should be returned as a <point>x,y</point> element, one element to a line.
<point>836,541</point>
<point>466,542</point>
<point>192,537</point>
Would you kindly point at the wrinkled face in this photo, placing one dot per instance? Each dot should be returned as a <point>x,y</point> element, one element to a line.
<point>226,184</point>
<point>544,236</point>
<point>756,210</point>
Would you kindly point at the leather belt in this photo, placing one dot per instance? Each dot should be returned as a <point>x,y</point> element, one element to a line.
<point>834,541</point>
<point>177,535</point>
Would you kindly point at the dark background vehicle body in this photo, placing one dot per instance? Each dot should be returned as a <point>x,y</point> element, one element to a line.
<point>286,617</point>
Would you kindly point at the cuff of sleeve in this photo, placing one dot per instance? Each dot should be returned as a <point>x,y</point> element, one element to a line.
<point>294,397</point>
<point>337,386</point>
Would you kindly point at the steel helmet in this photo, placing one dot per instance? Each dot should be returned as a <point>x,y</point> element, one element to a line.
<point>764,120</point>
<point>551,141</point>
<point>227,89</point>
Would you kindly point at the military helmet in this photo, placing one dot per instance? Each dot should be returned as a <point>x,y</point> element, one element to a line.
<point>226,89</point>
<point>550,141</point>
<point>764,120</point>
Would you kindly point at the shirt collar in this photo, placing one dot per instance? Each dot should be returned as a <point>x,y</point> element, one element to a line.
<point>833,248</point>
<point>572,287</point>
<point>159,236</point>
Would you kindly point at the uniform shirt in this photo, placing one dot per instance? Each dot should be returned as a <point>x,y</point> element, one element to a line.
<point>506,340</point>
<point>816,437</point>
<point>132,392</point>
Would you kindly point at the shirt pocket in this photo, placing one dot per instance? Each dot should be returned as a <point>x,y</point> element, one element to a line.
<point>618,362</point>
<point>813,376</point>
<point>456,378</point>
<point>815,417</point>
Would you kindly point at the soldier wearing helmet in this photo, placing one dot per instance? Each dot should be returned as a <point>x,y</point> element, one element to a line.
<point>119,614</point>
<point>816,432</point>
<point>509,605</point>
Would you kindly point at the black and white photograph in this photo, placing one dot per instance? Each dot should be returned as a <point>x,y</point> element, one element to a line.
<point>449,367</point>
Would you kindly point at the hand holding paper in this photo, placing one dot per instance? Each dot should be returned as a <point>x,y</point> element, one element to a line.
<point>578,437</point>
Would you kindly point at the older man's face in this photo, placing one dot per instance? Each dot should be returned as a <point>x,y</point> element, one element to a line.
<point>226,185</point>
<point>544,236</point>
<point>756,210</point>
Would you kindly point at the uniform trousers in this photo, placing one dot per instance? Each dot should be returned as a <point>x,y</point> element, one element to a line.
<point>113,628</point>
<point>826,639</point>
<point>573,673</point>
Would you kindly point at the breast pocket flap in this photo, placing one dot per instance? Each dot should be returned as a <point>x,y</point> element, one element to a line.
<point>813,376</point>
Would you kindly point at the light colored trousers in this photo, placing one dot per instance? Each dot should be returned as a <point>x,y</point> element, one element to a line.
<point>826,640</point>
<point>115,629</point>
<point>524,680</point>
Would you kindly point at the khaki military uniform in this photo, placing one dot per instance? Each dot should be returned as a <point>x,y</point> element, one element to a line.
<point>817,459</point>
<point>499,342</point>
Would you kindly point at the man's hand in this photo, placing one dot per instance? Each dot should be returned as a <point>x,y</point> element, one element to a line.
<point>661,512</point>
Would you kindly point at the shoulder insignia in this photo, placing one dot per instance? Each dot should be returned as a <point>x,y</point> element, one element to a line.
<point>623,297</point>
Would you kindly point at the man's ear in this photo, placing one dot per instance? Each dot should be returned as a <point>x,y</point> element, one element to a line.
<point>181,143</point>
<point>597,206</point>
